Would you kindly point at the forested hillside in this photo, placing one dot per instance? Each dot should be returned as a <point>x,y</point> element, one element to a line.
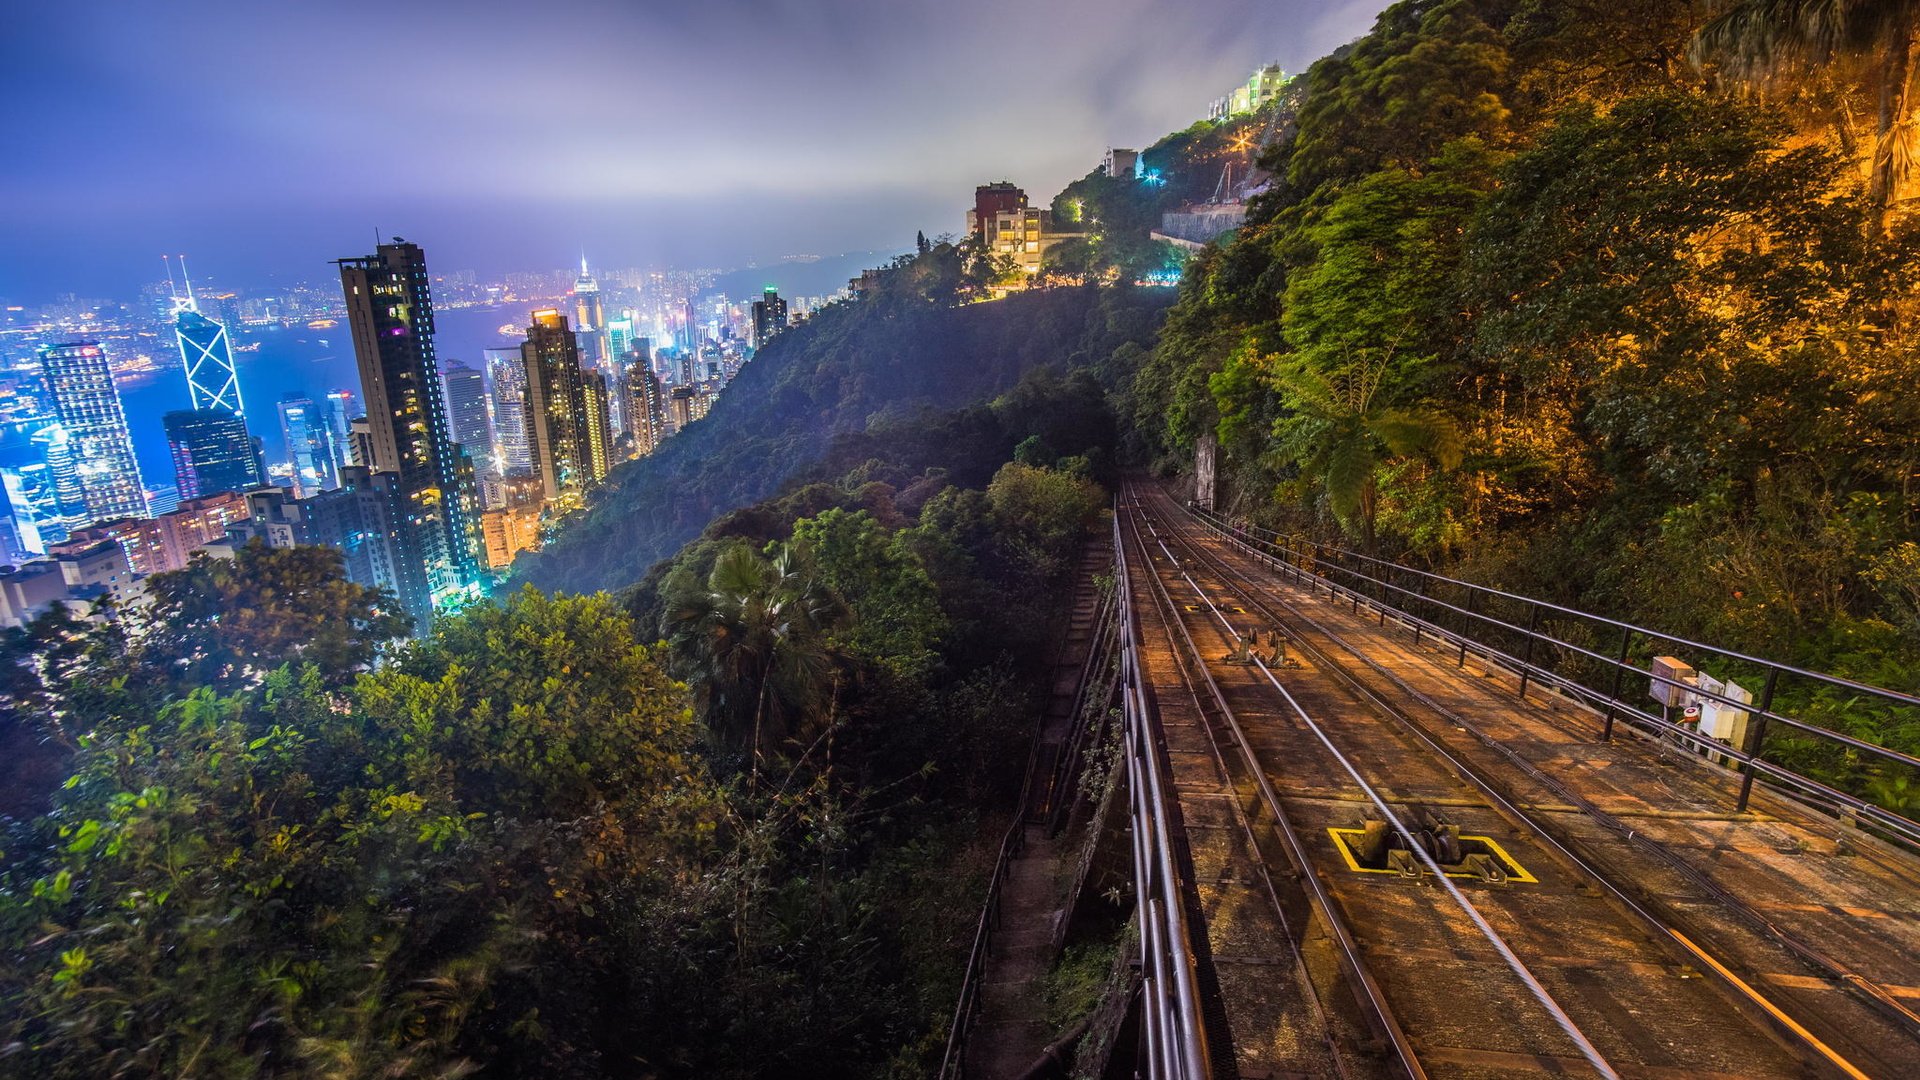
<point>904,348</point>
<point>1608,303</point>
<point>732,822</point>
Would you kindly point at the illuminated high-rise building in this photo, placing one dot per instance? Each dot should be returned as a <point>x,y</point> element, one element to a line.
<point>599,407</point>
<point>645,406</point>
<point>620,338</point>
<point>466,390</point>
<point>69,500</point>
<point>213,386</point>
<point>342,409</point>
<point>589,320</point>
<point>309,446</point>
<point>42,497</point>
<point>508,373</point>
<point>88,405</point>
<point>207,357</point>
<point>390,310</point>
<point>559,420</point>
<point>212,452</point>
<point>769,318</point>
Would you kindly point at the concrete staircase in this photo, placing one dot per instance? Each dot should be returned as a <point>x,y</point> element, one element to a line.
<point>1010,1031</point>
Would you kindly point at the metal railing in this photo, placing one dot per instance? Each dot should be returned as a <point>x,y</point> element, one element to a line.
<point>1057,806</point>
<point>1561,647</point>
<point>1171,1018</point>
<point>1012,846</point>
<point>953,1062</point>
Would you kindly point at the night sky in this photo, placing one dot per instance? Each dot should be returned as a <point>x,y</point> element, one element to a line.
<point>263,139</point>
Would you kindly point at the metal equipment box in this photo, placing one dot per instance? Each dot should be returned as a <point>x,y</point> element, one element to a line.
<point>1672,677</point>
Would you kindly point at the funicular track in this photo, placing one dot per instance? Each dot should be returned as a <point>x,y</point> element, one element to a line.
<point>1264,974</point>
<point>1818,989</point>
<point>1570,972</point>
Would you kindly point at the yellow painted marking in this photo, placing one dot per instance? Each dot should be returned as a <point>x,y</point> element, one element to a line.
<point>1516,872</point>
<point>1773,1010</point>
<point>1814,982</point>
<point>1821,909</point>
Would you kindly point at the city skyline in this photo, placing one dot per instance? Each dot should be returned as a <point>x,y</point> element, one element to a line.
<point>650,163</point>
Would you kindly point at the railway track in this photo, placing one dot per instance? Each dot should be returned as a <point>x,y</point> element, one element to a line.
<point>1472,932</point>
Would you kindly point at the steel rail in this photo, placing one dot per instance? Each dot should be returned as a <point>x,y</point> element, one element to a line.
<point>1892,696</point>
<point>1176,1032</point>
<point>1057,802</point>
<point>1872,992</point>
<point>1750,757</point>
<point>1875,993</point>
<point>1535,988</point>
<point>1363,985</point>
<point>1520,818</point>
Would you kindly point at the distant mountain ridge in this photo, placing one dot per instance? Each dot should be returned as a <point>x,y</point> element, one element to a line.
<point>798,276</point>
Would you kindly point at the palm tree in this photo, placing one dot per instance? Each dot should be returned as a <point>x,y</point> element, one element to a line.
<point>1341,433</point>
<point>752,637</point>
<point>1759,41</point>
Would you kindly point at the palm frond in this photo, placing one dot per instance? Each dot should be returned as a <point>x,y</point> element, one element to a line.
<point>1308,390</point>
<point>1350,465</point>
<point>1760,41</point>
<point>1420,431</point>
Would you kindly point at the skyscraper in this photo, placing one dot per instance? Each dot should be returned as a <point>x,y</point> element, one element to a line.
<point>769,318</point>
<point>466,390</point>
<point>390,309</point>
<point>213,386</point>
<point>645,408</point>
<point>69,499</point>
<point>207,356</point>
<point>342,409</point>
<point>81,382</point>
<point>589,320</point>
<point>509,375</point>
<point>309,446</point>
<point>599,407</point>
<point>212,452</point>
<point>559,435</point>
<point>619,338</point>
<point>43,498</point>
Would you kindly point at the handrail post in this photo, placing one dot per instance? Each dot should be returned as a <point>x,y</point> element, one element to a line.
<point>1756,738</point>
<point>1466,626</point>
<point>1619,676</point>
<point>1526,660</point>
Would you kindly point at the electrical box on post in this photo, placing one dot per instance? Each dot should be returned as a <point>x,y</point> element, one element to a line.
<point>1672,678</point>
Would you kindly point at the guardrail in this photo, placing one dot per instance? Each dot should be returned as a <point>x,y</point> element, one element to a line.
<point>953,1062</point>
<point>1057,806</point>
<point>1171,1017</point>
<point>966,1010</point>
<point>1511,630</point>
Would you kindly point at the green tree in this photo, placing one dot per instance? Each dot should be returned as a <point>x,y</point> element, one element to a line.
<point>1342,431</point>
<point>1432,71</point>
<point>417,874</point>
<point>1039,516</point>
<point>753,637</point>
<point>893,610</point>
<point>226,622</point>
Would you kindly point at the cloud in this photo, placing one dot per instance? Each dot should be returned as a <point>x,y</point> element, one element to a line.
<point>216,110</point>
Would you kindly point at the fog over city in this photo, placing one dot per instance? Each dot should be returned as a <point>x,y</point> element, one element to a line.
<point>266,139</point>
